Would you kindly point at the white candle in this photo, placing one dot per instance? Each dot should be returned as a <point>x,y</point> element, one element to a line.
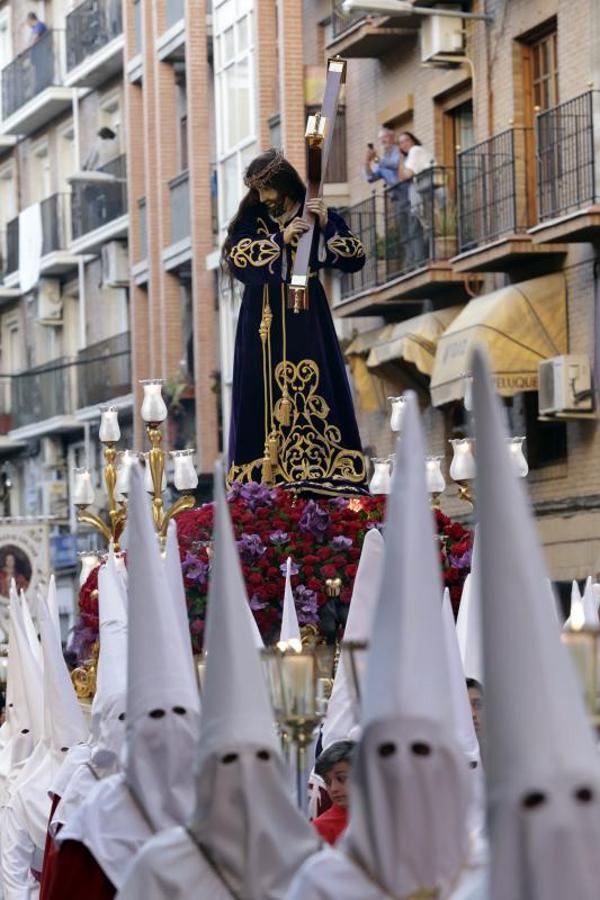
<point>462,467</point>
<point>83,489</point>
<point>123,474</point>
<point>153,405</point>
<point>436,483</point>
<point>184,476</point>
<point>148,485</point>
<point>109,425</point>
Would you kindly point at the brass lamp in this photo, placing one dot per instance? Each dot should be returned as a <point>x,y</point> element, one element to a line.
<point>583,644</point>
<point>354,658</point>
<point>299,679</point>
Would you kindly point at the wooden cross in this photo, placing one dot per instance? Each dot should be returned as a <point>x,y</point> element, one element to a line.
<point>319,137</point>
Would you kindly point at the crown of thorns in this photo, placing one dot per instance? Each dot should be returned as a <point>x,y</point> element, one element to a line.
<point>264,175</point>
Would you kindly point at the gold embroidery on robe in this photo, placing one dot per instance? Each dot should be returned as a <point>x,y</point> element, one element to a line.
<point>254,252</point>
<point>347,246</point>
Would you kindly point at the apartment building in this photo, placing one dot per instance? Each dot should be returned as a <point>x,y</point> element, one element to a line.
<point>507,105</point>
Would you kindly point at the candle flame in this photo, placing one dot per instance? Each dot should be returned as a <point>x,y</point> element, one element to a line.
<point>577,616</point>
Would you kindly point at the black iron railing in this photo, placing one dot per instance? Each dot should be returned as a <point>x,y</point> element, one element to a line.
<point>566,169</point>
<point>406,228</point>
<point>92,25</point>
<point>12,246</point>
<point>492,190</point>
<point>341,21</point>
<point>41,393</point>
<point>104,370</point>
<point>33,70</point>
<point>95,203</point>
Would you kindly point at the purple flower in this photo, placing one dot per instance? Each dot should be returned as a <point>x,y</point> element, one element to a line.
<point>341,543</point>
<point>255,495</point>
<point>315,519</point>
<point>462,562</point>
<point>306,606</point>
<point>195,569</point>
<point>279,537</point>
<point>257,603</point>
<point>250,547</point>
<point>293,568</point>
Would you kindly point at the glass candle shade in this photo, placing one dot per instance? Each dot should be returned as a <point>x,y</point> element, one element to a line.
<point>154,408</point>
<point>398,404</point>
<point>109,425</point>
<point>354,660</point>
<point>517,457</point>
<point>185,476</point>
<point>83,489</point>
<point>436,483</point>
<point>582,645</point>
<point>126,459</point>
<point>462,467</point>
<point>296,677</point>
<point>381,479</point>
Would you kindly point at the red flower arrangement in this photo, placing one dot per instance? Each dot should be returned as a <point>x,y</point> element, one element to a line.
<point>323,537</point>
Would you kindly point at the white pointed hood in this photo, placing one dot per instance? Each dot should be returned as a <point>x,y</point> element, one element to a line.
<point>542,764</point>
<point>410,790</point>
<point>245,818</point>
<point>576,610</point>
<point>589,605</point>
<point>290,629</point>
<point>175,580</point>
<point>461,708</point>
<point>52,602</point>
<point>108,707</point>
<point>28,623</point>
<point>29,686</point>
<point>162,694</point>
<point>342,712</point>
<point>468,622</point>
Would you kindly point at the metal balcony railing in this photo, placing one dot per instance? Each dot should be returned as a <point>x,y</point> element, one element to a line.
<point>55,214</point>
<point>95,203</point>
<point>41,393</point>
<point>566,150</point>
<point>180,207</point>
<point>12,246</point>
<point>90,26</point>
<point>33,70</point>
<point>493,198</point>
<point>341,21</point>
<point>405,228</point>
<point>174,11</point>
<point>104,370</point>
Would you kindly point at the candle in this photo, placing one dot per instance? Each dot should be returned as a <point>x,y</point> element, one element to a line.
<point>582,646</point>
<point>436,483</point>
<point>297,670</point>
<point>398,404</point>
<point>123,474</point>
<point>148,485</point>
<point>185,476</point>
<point>83,489</point>
<point>462,467</point>
<point>153,405</point>
<point>109,425</point>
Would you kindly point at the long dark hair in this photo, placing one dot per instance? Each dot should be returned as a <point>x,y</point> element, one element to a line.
<point>284,179</point>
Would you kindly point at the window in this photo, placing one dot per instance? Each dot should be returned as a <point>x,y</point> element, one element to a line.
<point>546,442</point>
<point>5,38</point>
<point>110,115</point>
<point>233,25</point>
<point>41,181</point>
<point>459,133</point>
<point>182,122</point>
<point>544,71</point>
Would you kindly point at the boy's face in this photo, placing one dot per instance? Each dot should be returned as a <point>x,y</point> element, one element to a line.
<point>336,781</point>
<point>476,708</point>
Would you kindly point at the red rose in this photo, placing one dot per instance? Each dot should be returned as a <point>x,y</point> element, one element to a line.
<point>351,570</point>
<point>455,531</point>
<point>324,553</point>
<point>329,572</point>
<point>308,570</point>
<point>255,578</point>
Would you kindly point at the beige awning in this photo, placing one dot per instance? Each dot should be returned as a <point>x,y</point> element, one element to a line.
<point>412,341</point>
<point>519,325</point>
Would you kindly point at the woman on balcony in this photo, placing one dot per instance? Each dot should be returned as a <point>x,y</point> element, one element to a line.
<point>293,421</point>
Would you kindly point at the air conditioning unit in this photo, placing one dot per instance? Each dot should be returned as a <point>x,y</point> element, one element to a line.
<point>54,499</point>
<point>441,35</point>
<point>49,302</point>
<point>565,385</point>
<point>51,453</point>
<point>115,265</point>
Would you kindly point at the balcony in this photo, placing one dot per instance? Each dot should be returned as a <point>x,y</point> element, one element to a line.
<point>171,44</point>
<point>99,206</point>
<point>56,259</point>
<point>104,371</point>
<point>567,173</point>
<point>358,35</point>
<point>42,400</point>
<point>95,43</point>
<point>33,91</point>
<point>409,235</point>
<point>6,293</point>
<point>177,256</point>
<point>496,206</point>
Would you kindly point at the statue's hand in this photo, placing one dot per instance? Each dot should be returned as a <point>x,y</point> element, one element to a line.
<point>318,208</point>
<point>297,227</point>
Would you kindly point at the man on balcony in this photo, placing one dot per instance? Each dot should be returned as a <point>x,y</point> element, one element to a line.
<point>105,149</point>
<point>386,168</point>
<point>37,28</point>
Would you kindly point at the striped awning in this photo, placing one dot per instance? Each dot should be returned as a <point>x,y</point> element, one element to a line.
<point>519,325</point>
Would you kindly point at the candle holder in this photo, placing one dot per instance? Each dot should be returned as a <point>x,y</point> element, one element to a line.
<point>298,676</point>
<point>354,659</point>
<point>436,483</point>
<point>116,478</point>
<point>583,644</point>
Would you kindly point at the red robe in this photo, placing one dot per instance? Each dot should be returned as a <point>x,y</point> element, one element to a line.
<point>332,823</point>
<point>50,852</point>
<point>76,874</point>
